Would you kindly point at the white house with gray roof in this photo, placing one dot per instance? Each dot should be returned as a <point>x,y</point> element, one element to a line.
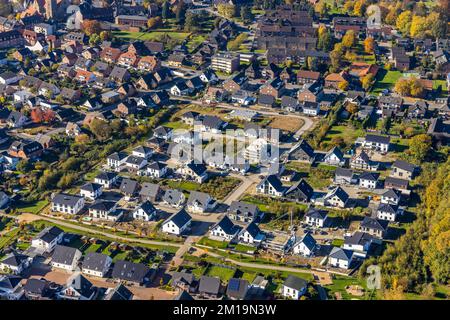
<point>340,258</point>
<point>200,202</point>
<point>294,287</point>
<point>145,212</point>
<point>177,223</point>
<point>305,246</point>
<point>66,203</point>
<point>316,218</point>
<point>106,179</point>
<point>46,240</point>
<point>91,190</point>
<point>65,258</point>
<point>96,264</point>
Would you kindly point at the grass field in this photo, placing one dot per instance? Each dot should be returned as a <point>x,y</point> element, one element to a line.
<point>8,237</point>
<point>442,84</point>
<point>195,41</point>
<point>339,284</point>
<point>385,80</point>
<point>35,207</point>
<point>347,133</point>
<point>150,36</point>
<point>213,243</point>
<point>224,274</point>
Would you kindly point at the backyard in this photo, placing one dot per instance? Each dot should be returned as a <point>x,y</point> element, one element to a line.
<point>385,80</point>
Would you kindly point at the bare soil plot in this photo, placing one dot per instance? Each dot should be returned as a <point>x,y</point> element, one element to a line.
<point>291,124</point>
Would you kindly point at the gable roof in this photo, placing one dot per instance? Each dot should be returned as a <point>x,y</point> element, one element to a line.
<point>209,285</point>
<point>374,224</point>
<point>128,186</point>
<point>173,196</point>
<point>66,199</point>
<point>119,293</point>
<point>64,255</point>
<point>242,208</point>
<point>227,226</point>
<point>316,213</point>
<point>295,282</point>
<point>341,254</point>
<point>130,271</point>
<point>14,259</point>
<point>180,218</point>
<point>401,164</point>
<point>201,198</point>
<point>95,261</point>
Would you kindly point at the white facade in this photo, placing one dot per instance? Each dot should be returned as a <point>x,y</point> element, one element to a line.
<point>315,222</point>
<point>57,207</point>
<point>99,273</point>
<point>68,267</point>
<point>140,214</point>
<point>301,249</point>
<point>91,194</point>
<point>292,293</point>
<point>172,228</point>
<point>339,263</point>
<point>369,184</point>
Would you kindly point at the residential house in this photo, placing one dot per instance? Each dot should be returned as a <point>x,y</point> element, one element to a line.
<point>66,203</point>
<point>376,142</point>
<point>156,169</point>
<point>340,258</point>
<point>145,212</point>
<point>302,152</point>
<point>116,160</point>
<point>118,293</point>
<point>316,218</point>
<point>334,157</point>
<point>96,264</point>
<point>194,171</point>
<point>225,230</point>
<point>91,190</point>
<point>271,185</point>
<point>294,287</point>
<point>305,76</point>
<point>337,197</point>
<point>209,287</point>
<point>251,234</point>
<point>119,74</point>
<point>403,170</point>
<point>78,288</point>
<point>369,180</point>
<point>106,179</point>
<point>300,191</point>
<point>177,223</point>
<point>15,263</point>
<point>129,188</point>
<point>130,272</point>
<point>310,108</point>
<point>361,161</point>
<point>65,258</point>
<point>305,246</point>
<point>273,88</point>
<point>360,243</point>
<point>200,202</point>
<point>150,192</point>
<point>105,210</point>
<point>244,212</point>
<point>391,196</point>
<point>47,239</point>
<point>388,212</point>
<point>395,183</point>
<point>174,198</point>
<point>374,227</point>
<point>237,289</point>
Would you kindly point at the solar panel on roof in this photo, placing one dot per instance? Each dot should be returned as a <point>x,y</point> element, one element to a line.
<point>233,284</point>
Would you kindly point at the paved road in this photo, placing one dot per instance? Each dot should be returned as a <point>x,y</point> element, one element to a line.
<point>94,231</point>
<point>247,182</point>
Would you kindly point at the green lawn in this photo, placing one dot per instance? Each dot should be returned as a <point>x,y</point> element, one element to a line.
<point>94,248</point>
<point>213,243</point>
<point>34,207</point>
<point>339,284</point>
<point>442,84</point>
<point>347,133</point>
<point>224,274</point>
<point>119,255</point>
<point>176,125</point>
<point>385,80</point>
<point>150,36</point>
<point>195,41</point>
<point>8,237</point>
<point>244,248</point>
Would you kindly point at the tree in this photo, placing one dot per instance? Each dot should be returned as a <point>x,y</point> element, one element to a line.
<point>192,22</point>
<point>403,22</point>
<point>324,40</point>
<point>90,27</point>
<point>402,87</point>
<point>343,85</point>
<point>336,57</point>
<point>367,81</point>
<point>322,9</point>
<point>105,35</point>
<point>359,8</point>
<point>94,39</point>
<point>369,45</point>
<point>154,22</point>
<point>349,39</point>
<point>38,115</point>
<point>100,129</point>
<point>246,14</point>
<point>165,10</point>
<point>419,147</point>
<point>418,27</point>
<point>227,10</point>
<point>180,13</point>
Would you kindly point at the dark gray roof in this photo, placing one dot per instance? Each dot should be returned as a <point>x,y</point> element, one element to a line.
<point>119,293</point>
<point>183,295</point>
<point>10,282</point>
<point>295,282</point>
<point>36,286</point>
<point>392,193</point>
<point>341,254</point>
<point>64,255</point>
<point>106,175</point>
<point>149,189</point>
<point>266,99</point>
<point>377,138</point>
<point>103,205</point>
<point>253,229</point>
<point>401,164</point>
<point>209,285</point>
<point>337,152</point>
<point>66,199</point>
<point>82,285</point>
<point>173,196</point>
<point>212,122</point>
<point>156,165</point>
<point>147,207</point>
<point>198,168</point>
<point>129,271</point>
<point>227,226</point>
<point>128,186</point>
<point>340,193</point>
<point>342,172</point>
<point>91,187</point>
<point>374,224</point>
<point>200,198</point>
<point>316,213</point>
<point>303,187</point>
<point>95,261</point>
<point>358,238</point>
<point>274,182</point>
<point>48,234</point>
<point>308,241</point>
<point>180,218</point>
<point>118,156</point>
<point>244,209</point>
<point>372,176</point>
<point>396,181</point>
<point>237,288</point>
<point>14,259</point>
<point>187,278</point>
<point>384,207</point>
